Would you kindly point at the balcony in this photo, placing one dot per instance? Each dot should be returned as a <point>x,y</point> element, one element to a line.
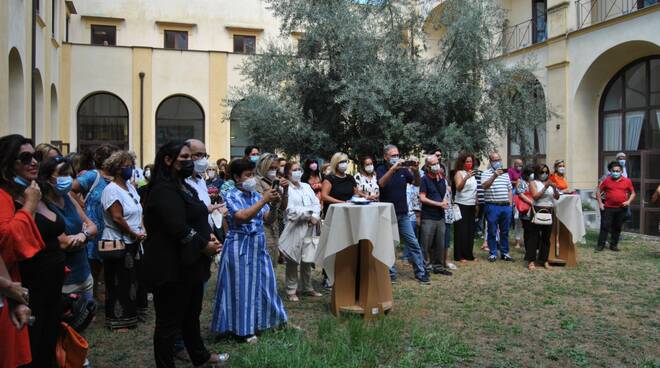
<point>519,36</point>
<point>590,12</point>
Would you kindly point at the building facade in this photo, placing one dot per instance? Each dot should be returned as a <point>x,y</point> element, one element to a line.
<point>136,73</point>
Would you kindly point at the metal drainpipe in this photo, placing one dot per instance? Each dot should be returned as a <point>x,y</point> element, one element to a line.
<point>141,118</point>
<point>33,118</point>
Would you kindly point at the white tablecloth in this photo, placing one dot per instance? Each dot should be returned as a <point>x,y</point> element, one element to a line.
<point>569,212</point>
<point>346,224</point>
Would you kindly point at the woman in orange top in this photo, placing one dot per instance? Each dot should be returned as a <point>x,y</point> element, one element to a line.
<point>19,240</point>
<point>559,176</point>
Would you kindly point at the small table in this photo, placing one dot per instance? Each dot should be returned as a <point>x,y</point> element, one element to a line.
<point>567,227</point>
<point>356,250</point>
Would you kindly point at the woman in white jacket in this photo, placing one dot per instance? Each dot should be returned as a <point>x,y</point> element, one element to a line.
<point>302,217</point>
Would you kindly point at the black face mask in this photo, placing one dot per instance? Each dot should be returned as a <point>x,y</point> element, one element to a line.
<point>187,168</point>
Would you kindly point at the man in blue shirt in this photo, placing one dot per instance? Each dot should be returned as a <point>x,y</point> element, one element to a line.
<point>393,180</point>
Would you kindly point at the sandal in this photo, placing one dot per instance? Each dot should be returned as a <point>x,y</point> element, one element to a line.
<point>216,360</point>
<point>252,340</point>
<point>547,266</point>
<point>531,266</point>
<point>292,297</point>
<point>312,293</point>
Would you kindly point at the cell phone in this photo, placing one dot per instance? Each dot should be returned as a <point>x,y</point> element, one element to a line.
<point>276,184</point>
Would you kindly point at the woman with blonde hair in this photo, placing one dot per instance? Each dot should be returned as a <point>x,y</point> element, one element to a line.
<point>266,173</point>
<point>338,186</point>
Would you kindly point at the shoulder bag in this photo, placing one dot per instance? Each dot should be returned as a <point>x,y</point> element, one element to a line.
<point>71,348</point>
<point>453,213</point>
<point>542,217</point>
<point>310,244</point>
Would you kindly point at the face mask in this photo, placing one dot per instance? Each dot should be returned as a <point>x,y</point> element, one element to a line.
<point>313,166</point>
<point>20,181</point>
<point>436,168</point>
<point>496,165</point>
<point>616,175</point>
<point>254,158</point>
<point>147,174</point>
<point>394,160</point>
<point>369,169</point>
<point>531,176</point>
<point>342,167</point>
<point>211,174</point>
<point>187,168</point>
<point>296,175</point>
<point>281,170</point>
<point>63,184</point>
<point>468,166</point>
<point>250,185</point>
<point>543,177</point>
<point>622,163</point>
<point>561,170</point>
<point>201,165</point>
<point>126,173</point>
<point>518,168</point>
<point>271,174</point>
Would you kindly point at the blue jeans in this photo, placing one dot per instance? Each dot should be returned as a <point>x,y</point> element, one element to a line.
<point>498,217</point>
<point>408,238</point>
<point>413,222</point>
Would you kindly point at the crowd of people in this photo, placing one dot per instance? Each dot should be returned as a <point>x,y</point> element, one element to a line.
<point>70,224</point>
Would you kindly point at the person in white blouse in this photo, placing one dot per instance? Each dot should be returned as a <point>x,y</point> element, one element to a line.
<point>302,218</point>
<point>544,193</point>
<point>366,179</point>
<point>466,198</point>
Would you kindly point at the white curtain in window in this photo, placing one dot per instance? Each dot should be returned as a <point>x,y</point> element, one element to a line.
<point>634,124</point>
<point>515,148</point>
<point>657,118</point>
<point>540,134</point>
<point>612,132</point>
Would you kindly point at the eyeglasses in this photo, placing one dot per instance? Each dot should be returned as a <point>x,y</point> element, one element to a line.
<point>26,157</point>
<point>201,155</point>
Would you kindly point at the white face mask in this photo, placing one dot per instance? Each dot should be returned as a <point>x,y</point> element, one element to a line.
<point>281,170</point>
<point>296,175</point>
<point>369,169</point>
<point>435,168</point>
<point>561,170</point>
<point>201,165</point>
<point>147,174</point>
<point>342,167</point>
<point>250,185</point>
<point>271,174</point>
<point>210,174</point>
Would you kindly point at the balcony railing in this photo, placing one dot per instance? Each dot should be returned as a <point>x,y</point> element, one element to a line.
<point>591,12</point>
<point>519,36</point>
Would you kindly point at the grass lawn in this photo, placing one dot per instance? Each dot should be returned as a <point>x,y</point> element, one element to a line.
<point>604,313</point>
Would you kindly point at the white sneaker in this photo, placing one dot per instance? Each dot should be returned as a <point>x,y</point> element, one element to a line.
<point>452,266</point>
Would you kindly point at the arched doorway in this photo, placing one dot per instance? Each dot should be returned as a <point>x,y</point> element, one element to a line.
<point>629,122</point>
<point>39,108</point>
<point>239,136</point>
<point>17,122</point>
<point>179,117</point>
<point>54,114</point>
<point>102,119</point>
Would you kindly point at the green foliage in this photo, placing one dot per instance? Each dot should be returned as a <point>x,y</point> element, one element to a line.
<point>357,81</point>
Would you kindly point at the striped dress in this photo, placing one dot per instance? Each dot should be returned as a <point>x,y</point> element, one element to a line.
<point>246,300</point>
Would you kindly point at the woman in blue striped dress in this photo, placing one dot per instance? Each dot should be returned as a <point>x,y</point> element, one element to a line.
<point>246,298</point>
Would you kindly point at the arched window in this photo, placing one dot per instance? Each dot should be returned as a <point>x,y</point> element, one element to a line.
<point>531,144</point>
<point>239,137</point>
<point>17,121</point>
<point>629,122</point>
<point>102,119</point>
<point>179,118</point>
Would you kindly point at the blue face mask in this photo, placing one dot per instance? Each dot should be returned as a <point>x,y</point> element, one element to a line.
<point>127,173</point>
<point>63,185</point>
<point>616,175</point>
<point>20,181</point>
<point>394,160</point>
<point>496,165</point>
<point>254,158</point>
<point>622,163</point>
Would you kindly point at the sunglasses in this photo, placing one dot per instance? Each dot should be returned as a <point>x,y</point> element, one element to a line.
<point>26,157</point>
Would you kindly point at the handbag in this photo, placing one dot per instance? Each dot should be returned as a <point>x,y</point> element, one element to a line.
<point>542,217</point>
<point>453,214</point>
<point>111,249</point>
<point>310,244</point>
<point>71,348</point>
<point>521,206</point>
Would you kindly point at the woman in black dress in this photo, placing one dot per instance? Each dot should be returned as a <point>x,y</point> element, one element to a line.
<point>178,253</point>
<point>338,187</point>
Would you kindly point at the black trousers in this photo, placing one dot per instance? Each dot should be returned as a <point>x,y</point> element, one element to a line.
<point>46,305</point>
<point>178,306</point>
<point>611,222</point>
<point>141,302</point>
<point>121,291</point>
<point>464,234</point>
<point>537,245</point>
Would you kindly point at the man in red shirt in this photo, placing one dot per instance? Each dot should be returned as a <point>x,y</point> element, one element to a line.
<point>619,193</point>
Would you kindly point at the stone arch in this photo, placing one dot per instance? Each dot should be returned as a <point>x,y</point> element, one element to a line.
<point>17,121</point>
